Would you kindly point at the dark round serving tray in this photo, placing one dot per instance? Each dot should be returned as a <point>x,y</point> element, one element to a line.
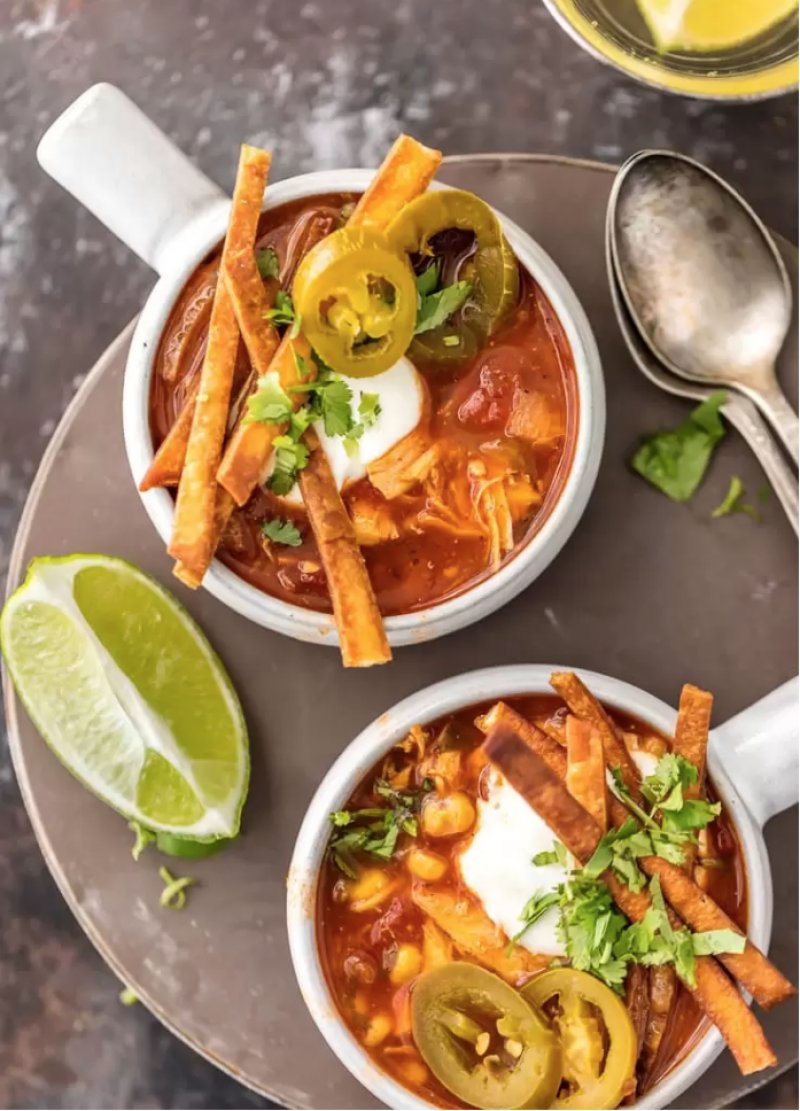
<point>649,591</point>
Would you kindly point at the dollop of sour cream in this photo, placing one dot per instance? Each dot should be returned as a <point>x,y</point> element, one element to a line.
<point>497,865</point>
<point>401,396</point>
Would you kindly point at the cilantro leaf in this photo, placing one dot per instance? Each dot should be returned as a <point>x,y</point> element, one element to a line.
<point>290,457</point>
<point>428,280</point>
<point>283,315</point>
<point>709,942</point>
<point>434,309</point>
<point>269,404</point>
<point>732,502</point>
<point>694,814</point>
<point>267,262</point>
<point>374,830</point>
<point>369,409</point>
<point>664,787</point>
<point>558,855</point>
<point>282,532</point>
<point>675,461</point>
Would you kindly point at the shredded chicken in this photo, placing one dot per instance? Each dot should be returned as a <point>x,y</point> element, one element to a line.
<point>535,417</point>
<point>372,521</point>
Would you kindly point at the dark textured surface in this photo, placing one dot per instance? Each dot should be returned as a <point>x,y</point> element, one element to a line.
<point>325,84</point>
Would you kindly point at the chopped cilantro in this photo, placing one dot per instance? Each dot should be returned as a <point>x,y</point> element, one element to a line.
<point>558,855</point>
<point>282,532</point>
<point>428,280</point>
<point>451,341</point>
<point>675,461</point>
<point>434,309</point>
<point>283,315</point>
<point>267,262</point>
<point>269,404</point>
<point>374,830</point>
<point>732,502</point>
<point>128,997</point>
<point>290,457</point>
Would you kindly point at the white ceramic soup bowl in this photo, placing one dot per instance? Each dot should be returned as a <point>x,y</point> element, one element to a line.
<point>117,163</point>
<point>752,761</point>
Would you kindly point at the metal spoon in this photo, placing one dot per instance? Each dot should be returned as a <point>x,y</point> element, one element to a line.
<point>740,411</point>
<point>702,280</point>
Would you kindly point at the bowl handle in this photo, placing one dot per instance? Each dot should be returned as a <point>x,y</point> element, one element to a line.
<point>759,750</point>
<point>113,159</point>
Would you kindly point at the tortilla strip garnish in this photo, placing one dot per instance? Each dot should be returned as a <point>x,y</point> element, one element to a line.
<point>541,788</point>
<point>167,465</point>
<point>193,523</point>
<point>585,706</point>
<point>249,448</point>
<point>691,733</point>
<point>473,932</point>
<point>406,171</point>
<point>362,637</point>
<point>550,751</point>
<point>586,769</point>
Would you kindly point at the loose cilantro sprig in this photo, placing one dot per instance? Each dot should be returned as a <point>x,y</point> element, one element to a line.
<point>675,461</point>
<point>733,503</point>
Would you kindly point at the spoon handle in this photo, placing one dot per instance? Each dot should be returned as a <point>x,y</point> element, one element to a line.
<point>772,402</point>
<point>744,416</point>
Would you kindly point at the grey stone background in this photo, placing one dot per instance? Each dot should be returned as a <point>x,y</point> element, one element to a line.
<point>322,83</point>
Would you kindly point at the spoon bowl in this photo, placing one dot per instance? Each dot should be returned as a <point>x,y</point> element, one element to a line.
<point>702,280</point>
<point>739,410</point>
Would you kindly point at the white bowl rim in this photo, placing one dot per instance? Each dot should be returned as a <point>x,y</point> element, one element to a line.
<point>464,608</point>
<point>365,751</point>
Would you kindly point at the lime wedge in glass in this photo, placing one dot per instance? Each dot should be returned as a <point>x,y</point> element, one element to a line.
<point>705,25</point>
<point>129,694</point>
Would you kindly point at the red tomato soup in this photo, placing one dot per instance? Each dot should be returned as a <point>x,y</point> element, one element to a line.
<point>458,496</point>
<point>383,922</point>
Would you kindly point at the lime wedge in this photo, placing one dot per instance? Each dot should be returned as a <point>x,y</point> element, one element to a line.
<point>129,694</point>
<point>704,25</point>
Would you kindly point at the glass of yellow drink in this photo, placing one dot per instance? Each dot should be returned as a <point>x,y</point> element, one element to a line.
<point>724,49</point>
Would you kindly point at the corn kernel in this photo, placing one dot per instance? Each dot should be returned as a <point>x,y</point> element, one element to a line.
<point>413,1073</point>
<point>447,816</point>
<point>378,1029</point>
<point>407,964</point>
<point>371,888</point>
<point>426,866</point>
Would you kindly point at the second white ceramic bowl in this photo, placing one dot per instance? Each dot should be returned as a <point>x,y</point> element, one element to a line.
<point>117,163</point>
<point>752,760</point>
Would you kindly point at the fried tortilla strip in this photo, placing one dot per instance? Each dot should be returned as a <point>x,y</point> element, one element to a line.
<point>406,171</point>
<point>362,637</point>
<point>713,990</point>
<point>636,1000</point>
<point>193,523</point>
<point>691,733</point>
<point>167,465</point>
<point>585,706</point>
<point>550,751</point>
<point>474,933</point>
<point>586,769</point>
<point>250,445</point>
<point>751,968</point>
<point>223,508</point>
